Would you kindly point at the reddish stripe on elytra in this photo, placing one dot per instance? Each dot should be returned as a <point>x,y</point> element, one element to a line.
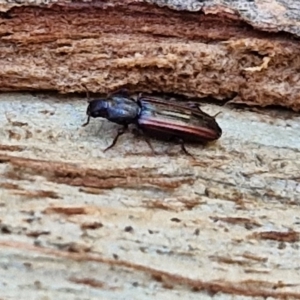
<point>198,131</point>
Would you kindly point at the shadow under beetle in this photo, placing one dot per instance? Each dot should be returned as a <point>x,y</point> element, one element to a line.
<point>156,118</point>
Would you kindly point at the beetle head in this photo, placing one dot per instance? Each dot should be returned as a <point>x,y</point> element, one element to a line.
<point>96,108</point>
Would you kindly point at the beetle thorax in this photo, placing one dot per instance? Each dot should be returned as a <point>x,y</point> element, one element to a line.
<point>122,110</point>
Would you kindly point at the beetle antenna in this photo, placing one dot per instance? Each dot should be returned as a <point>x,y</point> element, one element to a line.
<point>217,114</point>
<point>193,105</point>
<point>122,91</point>
<point>87,93</point>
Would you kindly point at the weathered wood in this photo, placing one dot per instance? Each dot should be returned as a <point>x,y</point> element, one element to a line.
<point>213,52</point>
<point>266,15</point>
<point>78,223</point>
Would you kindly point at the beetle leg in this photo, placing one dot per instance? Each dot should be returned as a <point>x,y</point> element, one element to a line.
<point>120,132</point>
<point>149,144</point>
<point>89,100</point>
<point>184,149</point>
<point>87,122</point>
<point>138,132</point>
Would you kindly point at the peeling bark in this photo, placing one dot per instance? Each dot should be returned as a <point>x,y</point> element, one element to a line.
<point>106,45</point>
<point>76,222</point>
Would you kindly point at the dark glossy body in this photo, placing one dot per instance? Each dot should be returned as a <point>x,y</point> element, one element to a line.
<point>156,118</point>
<point>117,109</point>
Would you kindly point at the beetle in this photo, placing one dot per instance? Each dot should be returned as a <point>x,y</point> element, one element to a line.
<point>155,118</point>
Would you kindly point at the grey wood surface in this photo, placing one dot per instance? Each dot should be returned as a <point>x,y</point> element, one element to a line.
<point>77,223</point>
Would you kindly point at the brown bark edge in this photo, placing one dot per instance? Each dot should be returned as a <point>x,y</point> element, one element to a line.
<point>147,48</point>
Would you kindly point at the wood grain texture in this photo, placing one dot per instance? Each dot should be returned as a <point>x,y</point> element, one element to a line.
<point>268,15</point>
<point>79,223</point>
<point>213,52</point>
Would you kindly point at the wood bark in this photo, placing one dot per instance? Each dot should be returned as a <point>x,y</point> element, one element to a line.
<point>216,51</point>
<point>77,223</point>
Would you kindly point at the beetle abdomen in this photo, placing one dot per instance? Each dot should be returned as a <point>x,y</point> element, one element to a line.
<point>168,131</point>
<point>167,121</point>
